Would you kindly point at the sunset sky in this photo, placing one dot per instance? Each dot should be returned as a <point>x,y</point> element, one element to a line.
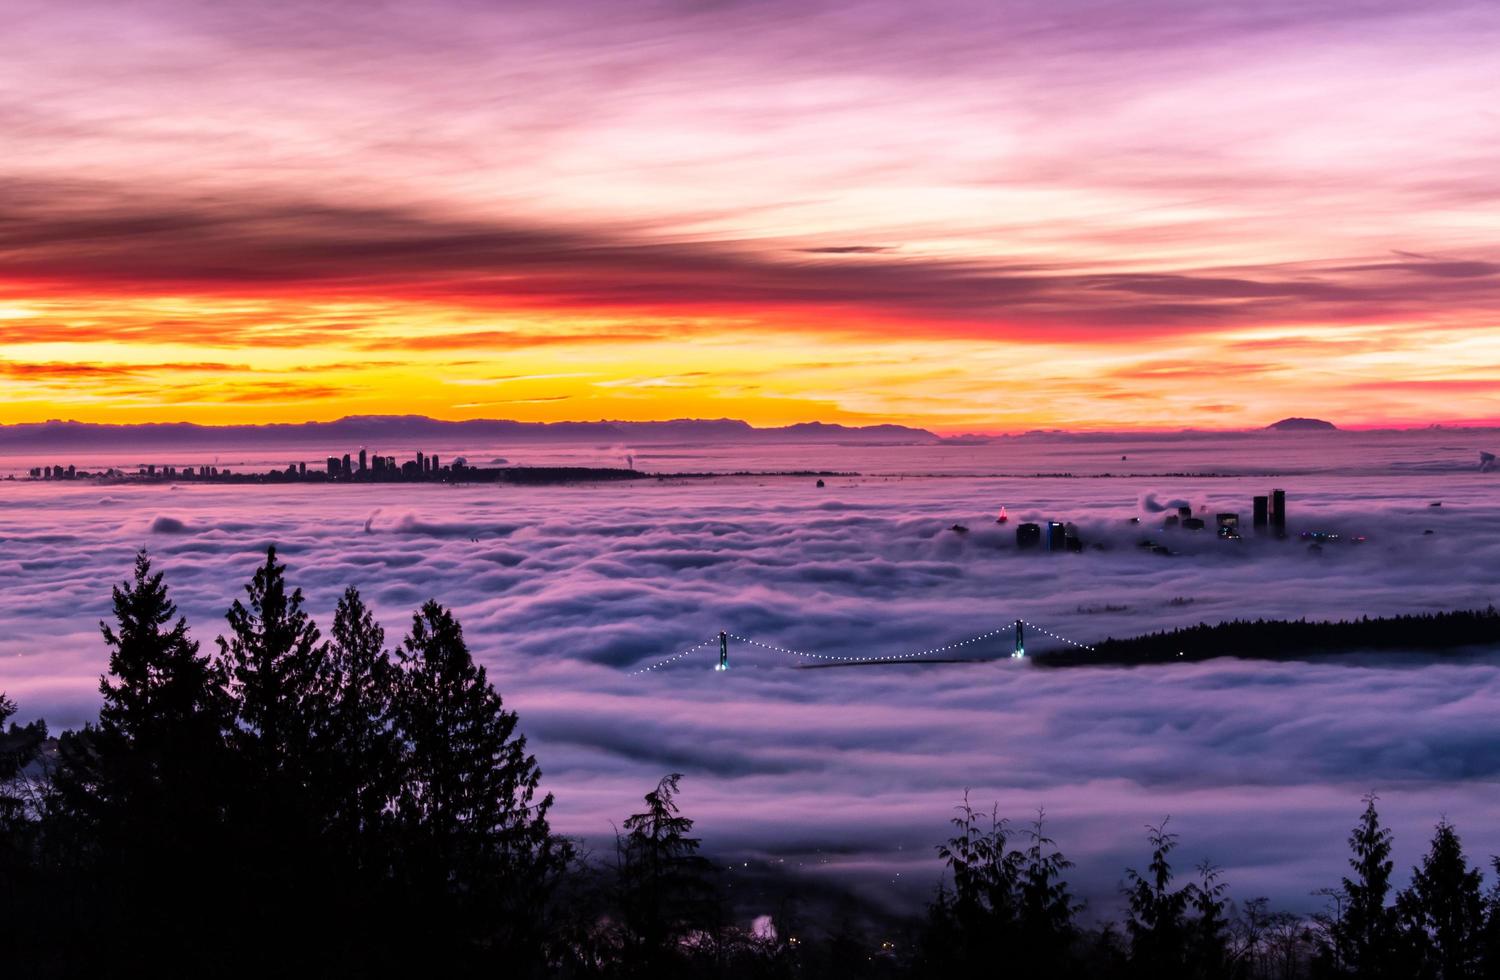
<point>970,216</point>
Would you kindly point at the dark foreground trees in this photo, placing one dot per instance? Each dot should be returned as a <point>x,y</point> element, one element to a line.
<point>276,809</point>
<point>300,805</point>
<point>475,850</point>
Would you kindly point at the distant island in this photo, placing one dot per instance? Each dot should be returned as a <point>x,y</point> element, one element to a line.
<point>419,430</point>
<point>1281,639</point>
<point>1302,425</point>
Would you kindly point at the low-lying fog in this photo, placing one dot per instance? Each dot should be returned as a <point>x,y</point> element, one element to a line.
<point>851,772</point>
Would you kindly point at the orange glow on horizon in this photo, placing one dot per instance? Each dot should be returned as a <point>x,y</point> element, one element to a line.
<point>237,213</point>
<point>278,359</point>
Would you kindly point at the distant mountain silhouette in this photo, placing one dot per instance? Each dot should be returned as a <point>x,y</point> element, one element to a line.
<point>1302,425</point>
<point>415,429</point>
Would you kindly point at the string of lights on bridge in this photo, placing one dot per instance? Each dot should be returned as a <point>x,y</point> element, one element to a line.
<point>957,645</point>
<point>673,659</point>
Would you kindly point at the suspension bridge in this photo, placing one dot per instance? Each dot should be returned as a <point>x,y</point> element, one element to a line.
<point>1015,632</point>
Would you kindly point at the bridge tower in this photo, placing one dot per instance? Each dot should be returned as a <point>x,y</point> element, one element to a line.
<point>723,651</point>
<point>1020,651</point>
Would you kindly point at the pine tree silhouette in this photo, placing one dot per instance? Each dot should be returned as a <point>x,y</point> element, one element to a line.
<point>19,747</point>
<point>145,786</point>
<point>1046,921</point>
<point>1157,923</point>
<point>475,838</point>
<point>1364,936</point>
<point>1442,912</point>
<point>359,750</point>
<point>275,664</point>
<point>664,889</point>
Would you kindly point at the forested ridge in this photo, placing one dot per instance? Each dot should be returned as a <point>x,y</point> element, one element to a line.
<point>295,804</point>
<point>1289,639</point>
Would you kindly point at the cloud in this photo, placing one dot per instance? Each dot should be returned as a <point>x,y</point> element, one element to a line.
<point>69,370</point>
<point>109,241</point>
<point>505,340</point>
<point>562,591</point>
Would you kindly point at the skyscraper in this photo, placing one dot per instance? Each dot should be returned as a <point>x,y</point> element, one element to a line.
<point>1278,510</point>
<point>1259,520</point>
<point>362,460</point>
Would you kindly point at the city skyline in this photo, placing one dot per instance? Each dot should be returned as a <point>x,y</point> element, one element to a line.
<point>977,218</point>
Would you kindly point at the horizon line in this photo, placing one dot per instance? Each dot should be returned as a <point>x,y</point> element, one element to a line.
<point>940,432</point>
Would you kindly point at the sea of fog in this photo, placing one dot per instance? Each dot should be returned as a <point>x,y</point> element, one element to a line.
<point>848,775</point>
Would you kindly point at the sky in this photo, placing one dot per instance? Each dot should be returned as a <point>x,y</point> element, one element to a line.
<point>969,216</point>
<point>849,775</point>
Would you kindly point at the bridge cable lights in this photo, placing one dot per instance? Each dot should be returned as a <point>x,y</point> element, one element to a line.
<point>1018,651</point>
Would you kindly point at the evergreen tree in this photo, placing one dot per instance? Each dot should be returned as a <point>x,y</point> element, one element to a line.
<point>1442,913</point>
<point>1363,934</point>
<point>159,745</point>
<point>1489,947</point>
<point>142,793</point>
<point>359,750</point>
<point>275,668</point>
<point>665,894</point>
<point>1157,923</point>
<point>1046,910</point>
<point>19,747</point>
<point>1208,931</point>
<point>975,928</point>
<point>475,838</point>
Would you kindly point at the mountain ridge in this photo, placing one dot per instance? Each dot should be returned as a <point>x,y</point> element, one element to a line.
<point>363,429</point>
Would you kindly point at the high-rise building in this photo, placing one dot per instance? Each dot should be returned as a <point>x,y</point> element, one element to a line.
<point>1228,526</point>
<point>1278,510</point>
<point>362,460</point>
<point>333,466</point>
<point>1259,519</point>
<point>1028,535</point>
<point>435,466</point>
<point>421,468</point>
<point>1056,536</point>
